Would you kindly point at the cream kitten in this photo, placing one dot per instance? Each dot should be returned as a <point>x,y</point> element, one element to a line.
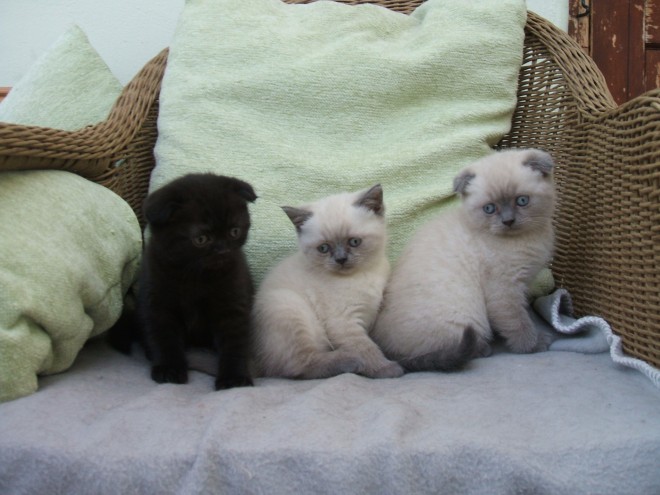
<point>313,311</point>
<point>467,271</point>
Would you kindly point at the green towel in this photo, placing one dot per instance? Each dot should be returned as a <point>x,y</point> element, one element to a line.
<point>304,101</point>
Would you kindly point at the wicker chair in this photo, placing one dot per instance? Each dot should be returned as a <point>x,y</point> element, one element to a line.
<point>608,171</point>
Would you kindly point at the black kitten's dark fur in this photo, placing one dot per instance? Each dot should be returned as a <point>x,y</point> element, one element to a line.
<point>195,286</point>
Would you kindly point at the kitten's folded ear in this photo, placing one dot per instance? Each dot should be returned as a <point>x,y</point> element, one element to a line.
<point>159,207</point>
<point>298,216</point>
<point>244,190</point>
<point>540,161</point>
<point>462,180</point>
<point>373,200</point>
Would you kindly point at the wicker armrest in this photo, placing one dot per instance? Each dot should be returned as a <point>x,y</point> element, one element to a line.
<point>117,152</point>
<point>609,232</point>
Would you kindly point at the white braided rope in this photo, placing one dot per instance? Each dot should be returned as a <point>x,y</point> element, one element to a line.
<point>557,311</point>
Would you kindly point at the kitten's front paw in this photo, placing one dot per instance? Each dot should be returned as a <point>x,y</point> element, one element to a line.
<point>544,341</point>
<point>483,349</point>
<point>225,382</point>
<point>528,342</point>
<point>347,364</point>
<point>164,373</point>
<point>390,370</point>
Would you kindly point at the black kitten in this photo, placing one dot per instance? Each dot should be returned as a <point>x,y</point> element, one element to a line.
<point>195,285</point>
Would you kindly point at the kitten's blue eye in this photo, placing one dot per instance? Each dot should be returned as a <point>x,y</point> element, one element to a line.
<point>490,208</point>
<point>354,242</point>
<point>324,248</point>
<point>201,240</point>
<point>522,200</point>
<point>235,233</point>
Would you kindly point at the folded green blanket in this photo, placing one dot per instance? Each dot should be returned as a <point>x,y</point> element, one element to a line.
<point>309,100</point>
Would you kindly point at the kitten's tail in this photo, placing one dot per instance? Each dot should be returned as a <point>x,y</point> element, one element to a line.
<point>448,359</point>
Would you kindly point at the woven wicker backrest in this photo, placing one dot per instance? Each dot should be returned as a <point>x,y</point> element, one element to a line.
<point>608,171</point>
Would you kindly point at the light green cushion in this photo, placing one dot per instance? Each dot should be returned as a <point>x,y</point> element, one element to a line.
<point>69,248</point>
<point>69,251</point>
<point>67,88</point>
<point>309,100</point>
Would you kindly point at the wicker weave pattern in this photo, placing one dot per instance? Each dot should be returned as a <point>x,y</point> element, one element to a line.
<point>608,171</point>
<point>608,177</point>
<point>609,253</point>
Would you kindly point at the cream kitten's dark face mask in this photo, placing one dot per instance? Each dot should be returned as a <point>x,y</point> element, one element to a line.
<point>509,214</point>
<point>340,255</point>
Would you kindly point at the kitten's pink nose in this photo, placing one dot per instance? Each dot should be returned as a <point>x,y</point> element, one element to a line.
<point>509,222</point>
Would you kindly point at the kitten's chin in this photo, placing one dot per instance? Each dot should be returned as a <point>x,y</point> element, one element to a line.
<point>342,269</point>
<point>505,231</point>
<point>512,231</point>
<point>217,261</point>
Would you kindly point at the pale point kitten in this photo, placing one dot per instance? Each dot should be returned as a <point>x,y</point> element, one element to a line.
<point>313,311</point>
<point>467,271</point>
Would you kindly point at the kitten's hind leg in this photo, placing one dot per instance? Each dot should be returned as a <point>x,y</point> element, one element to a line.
<point>375,364</point>
<point>290,341</point>
<point>510,319</point>
<point>391,370</point>
<point>354,338</point>
<point>325,364</point>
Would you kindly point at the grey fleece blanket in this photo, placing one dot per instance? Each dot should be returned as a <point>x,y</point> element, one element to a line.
<point>554,422</point>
